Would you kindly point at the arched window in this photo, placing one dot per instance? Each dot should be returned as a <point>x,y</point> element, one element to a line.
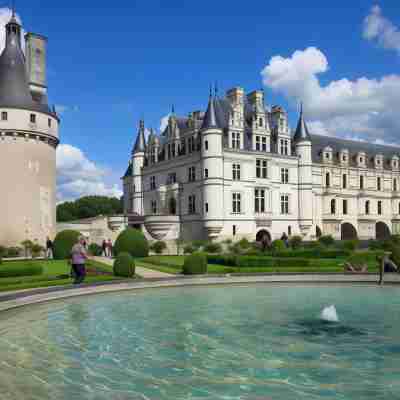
<point>333,206</point>
<point>367,207</point>
<point>327,179</point>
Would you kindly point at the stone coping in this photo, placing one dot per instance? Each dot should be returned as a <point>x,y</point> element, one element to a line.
<point>16,299</point>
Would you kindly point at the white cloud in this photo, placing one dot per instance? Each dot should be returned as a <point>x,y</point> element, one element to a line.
<point>164,122</point>
<point>349,108</point>
<point>78,176</point>
<point>5,16</point>
<point>379,28</point>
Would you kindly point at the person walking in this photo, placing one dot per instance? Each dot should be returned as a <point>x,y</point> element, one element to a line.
<point>49,248</point>
<point>78,259</point>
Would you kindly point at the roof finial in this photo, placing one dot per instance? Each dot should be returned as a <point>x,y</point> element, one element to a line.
<point>210,90</point>
<point>216,89</point>
<point>301,108</point>
<point>173,109</point>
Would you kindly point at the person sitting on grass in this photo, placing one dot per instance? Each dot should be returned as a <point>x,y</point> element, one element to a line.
<point>78,259</point>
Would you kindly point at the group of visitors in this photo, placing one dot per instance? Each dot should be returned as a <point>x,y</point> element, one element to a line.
<point>107,248</point>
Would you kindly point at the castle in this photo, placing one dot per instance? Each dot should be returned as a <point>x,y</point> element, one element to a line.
<point>238,171</point>
<point>28,141</point>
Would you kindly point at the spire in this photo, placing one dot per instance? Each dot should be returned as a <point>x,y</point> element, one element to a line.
<point>140,144</point>
<point>301,133</point>
<point>210,119</point>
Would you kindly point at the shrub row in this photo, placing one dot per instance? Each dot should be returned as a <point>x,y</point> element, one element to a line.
<point>195,264</point>
<point>11,270</point>
<point>258,261</point>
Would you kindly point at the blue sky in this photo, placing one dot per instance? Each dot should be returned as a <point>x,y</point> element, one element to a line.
<point>112,64</point>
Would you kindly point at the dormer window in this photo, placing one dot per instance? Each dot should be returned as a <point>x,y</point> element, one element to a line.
<point>327,154</point>
<point>344,156</point>
<point>395,162</point>
<point>361,159</point>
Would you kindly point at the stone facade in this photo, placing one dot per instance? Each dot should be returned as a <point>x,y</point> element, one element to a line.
<point>239,171</point>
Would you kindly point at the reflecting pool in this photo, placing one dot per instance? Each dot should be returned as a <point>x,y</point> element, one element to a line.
<point>254,342</point>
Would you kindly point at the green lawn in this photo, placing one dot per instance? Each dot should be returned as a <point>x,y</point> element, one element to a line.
<point>54,273</point>
<point>173,265</point>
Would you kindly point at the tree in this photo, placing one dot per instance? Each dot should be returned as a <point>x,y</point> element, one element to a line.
<point>88,207</point>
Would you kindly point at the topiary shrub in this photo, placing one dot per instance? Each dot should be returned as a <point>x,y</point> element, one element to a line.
<point>158,247</point>
<point>124,265</point>
<point>188,249</point>
<point>37,250</point>
<point>295,242</point>
<point>212,248</point>
<point>195,264</point>
<point>278,245</point>
<point>327,240</point>
<point>95,249</point>
<point>131,241</point>
<point>63,243</point>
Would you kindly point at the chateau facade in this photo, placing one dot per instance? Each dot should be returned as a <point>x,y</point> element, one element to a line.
<point>28,140</point>
<point>238,171</point>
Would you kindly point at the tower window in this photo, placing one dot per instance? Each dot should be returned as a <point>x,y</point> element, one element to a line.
<point>4,116</point>
<point>333,206</point>
<point>367,207</point>
<point>379,207</point>
<point>260,122</point>
<point>205,172</point>
<point>33,118</point>
<point>344,207</point>
<point>264,143</point>
<point>49,122</point>
<point>378,183</point>
<point>206,145</point>
<point>395,185</point>
<point>206,207</point>
<point>327,179</point>
<point>344,181</point>
<point>361,182</point>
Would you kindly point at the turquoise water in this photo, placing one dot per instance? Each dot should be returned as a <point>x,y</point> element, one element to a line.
<point>254,342</point>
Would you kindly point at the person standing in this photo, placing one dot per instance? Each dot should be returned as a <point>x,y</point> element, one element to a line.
<point>78,260</point>
<point>104,247</point>
<point>110,248</point>
<point>49,248</point>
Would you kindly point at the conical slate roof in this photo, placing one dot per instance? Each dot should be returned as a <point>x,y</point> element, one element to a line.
<point>14,86</point>
<point>140,144</point>
<point>301,133</point>
<point>210,119</point>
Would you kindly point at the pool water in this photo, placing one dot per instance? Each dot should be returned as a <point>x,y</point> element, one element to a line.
<point>253,342</point>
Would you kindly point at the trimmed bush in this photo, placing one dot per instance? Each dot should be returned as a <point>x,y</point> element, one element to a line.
<point>212,248</point>
<point>124,265</point>
<point>63,243</point>
<point>95,249</point>
<point>264,262</point>
<point>221,259</point>
<point>295,242</point>
<point>12,252</point>
<point>195,264</point>
<point>189,249</point>
<point>36,250</point>
<point>10,270</point>
<point>278,245</point>
<point>349,245</point>
<point>131,241</point>
<point>158,247</point>
<point>327,240</point>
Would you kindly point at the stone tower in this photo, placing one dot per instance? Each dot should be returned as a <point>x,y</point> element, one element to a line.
<point>212,169</point>
<point>28,141</point>
<point>303,148</point>
<point>137,164</point>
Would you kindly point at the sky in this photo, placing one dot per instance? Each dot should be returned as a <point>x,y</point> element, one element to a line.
<point>111,64</point>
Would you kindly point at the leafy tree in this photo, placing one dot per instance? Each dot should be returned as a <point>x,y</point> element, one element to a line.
<point>88,207</point>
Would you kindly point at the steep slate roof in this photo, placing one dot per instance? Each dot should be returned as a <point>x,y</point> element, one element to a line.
<point>354,147</point>
<point>210,119</point>
<point>140,144</point>
<point>14,86</point>
<point>129,171</point>
<point>301,133</point>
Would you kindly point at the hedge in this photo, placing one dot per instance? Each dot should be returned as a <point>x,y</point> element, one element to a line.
<point>314,253</point>
<point>131,241</point>
<point>195,264</point>
<point>11,270</point>
<point>264,262</point>
<point>124,265</point>
<point>63,243</point>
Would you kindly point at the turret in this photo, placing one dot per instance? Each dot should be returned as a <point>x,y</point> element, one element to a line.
<point>303,146</point>
<point>138,154</point>
<point>212,164</point>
